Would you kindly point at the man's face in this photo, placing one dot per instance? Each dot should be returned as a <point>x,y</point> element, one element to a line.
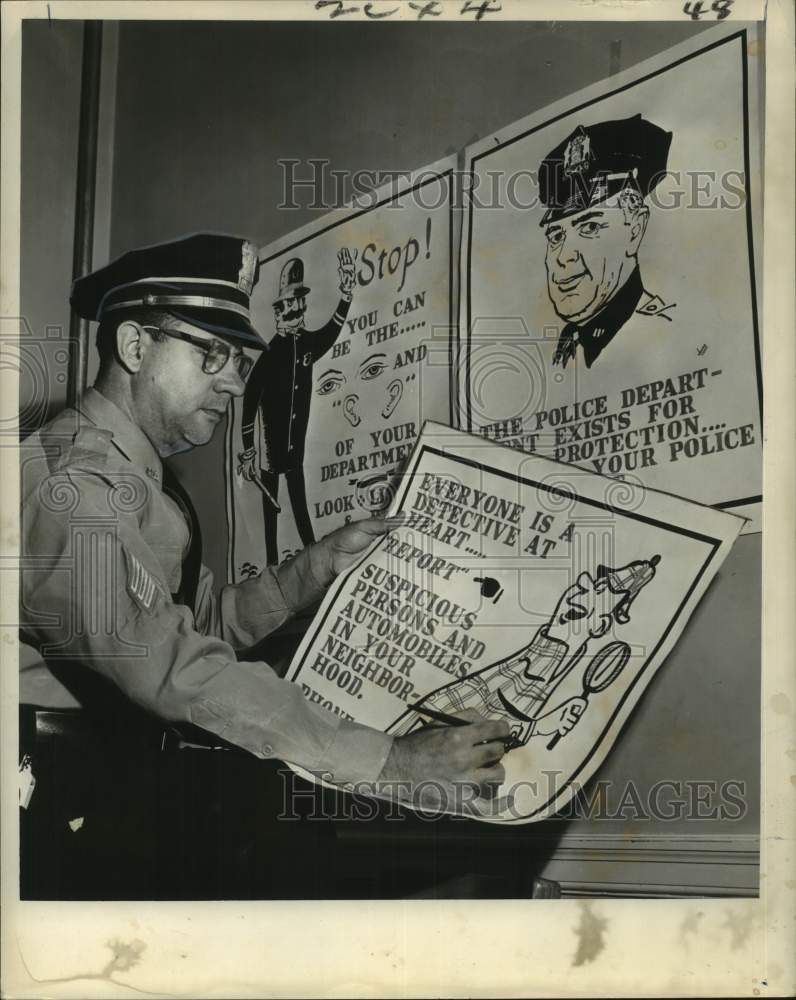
<point>589,256</point>
<point>179,404</point>
<point>289,312</point>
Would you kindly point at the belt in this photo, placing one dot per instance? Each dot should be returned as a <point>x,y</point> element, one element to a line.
<point>76,727</point>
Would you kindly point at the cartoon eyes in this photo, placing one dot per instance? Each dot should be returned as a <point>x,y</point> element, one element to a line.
<point>332,379</point>
<point>590,229</point>
<point>373,370</point>
<point>330,384</point>
<point>290,303</point>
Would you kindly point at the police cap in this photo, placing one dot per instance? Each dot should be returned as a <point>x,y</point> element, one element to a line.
<point>204,279</point>
<point>597,161</point>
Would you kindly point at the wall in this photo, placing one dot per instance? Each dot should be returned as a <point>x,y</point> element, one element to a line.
<point>51,70</point>
<point>51,57</point>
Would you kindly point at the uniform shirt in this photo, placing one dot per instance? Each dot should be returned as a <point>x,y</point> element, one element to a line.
<point>102,548</point>
<point>280,389</point>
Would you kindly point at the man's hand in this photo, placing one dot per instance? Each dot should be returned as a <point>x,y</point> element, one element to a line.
<point>341,548</point>
<point>305,577</point>
<point>345,269</point>
<point>561,719</point>
<point>440,767</point>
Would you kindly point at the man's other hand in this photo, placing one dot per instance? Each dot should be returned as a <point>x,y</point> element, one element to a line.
<point>340,549</point>
<point>438,765</point>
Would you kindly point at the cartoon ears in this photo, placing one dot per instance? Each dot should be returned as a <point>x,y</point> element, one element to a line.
<point>394,391</point>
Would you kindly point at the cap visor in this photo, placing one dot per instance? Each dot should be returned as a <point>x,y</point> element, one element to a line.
<point>221,323</point>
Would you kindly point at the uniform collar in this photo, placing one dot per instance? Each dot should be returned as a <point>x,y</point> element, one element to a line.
<point>129,439</point>
<point>598,332</point>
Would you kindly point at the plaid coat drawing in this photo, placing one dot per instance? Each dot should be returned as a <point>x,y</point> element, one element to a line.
<point>523,681</point>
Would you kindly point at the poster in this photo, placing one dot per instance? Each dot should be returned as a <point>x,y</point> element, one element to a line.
<point>609,314</point>
<point>356,311</point>
<point>524,589</point>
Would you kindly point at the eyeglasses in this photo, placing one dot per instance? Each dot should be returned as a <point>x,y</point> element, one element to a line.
<point>216,352</point>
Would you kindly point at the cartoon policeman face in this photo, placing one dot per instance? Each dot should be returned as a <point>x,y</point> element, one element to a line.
<point>370,390</point>
<point>590,255</point>
<point>289,313</point>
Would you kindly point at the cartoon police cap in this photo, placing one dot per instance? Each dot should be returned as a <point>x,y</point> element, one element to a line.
<point>597,161</point>
<point>291,280</point>
<point>204,279</point>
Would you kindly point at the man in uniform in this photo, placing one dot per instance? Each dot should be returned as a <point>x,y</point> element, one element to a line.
<point>280,391</point>
<point>594,184</point>
<point>121,612</point>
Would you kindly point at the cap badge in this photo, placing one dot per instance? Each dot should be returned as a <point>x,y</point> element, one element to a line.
<point>577,154</point>
<point>248,266</point>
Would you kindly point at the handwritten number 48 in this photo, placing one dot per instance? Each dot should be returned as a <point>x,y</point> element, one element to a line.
<point>721,8</point>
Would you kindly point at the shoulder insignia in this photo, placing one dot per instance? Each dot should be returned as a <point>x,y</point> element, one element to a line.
<point>653,305</point>
<point>89,449</point>
<point>141,585</point>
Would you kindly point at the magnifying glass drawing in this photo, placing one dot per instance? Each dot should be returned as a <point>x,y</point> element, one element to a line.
<point>602,671</point>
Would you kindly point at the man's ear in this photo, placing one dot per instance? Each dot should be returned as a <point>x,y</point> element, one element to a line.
<point>130,345</point>
<point>637,229</point>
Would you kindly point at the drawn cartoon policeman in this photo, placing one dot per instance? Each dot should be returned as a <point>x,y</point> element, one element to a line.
<point>279,391</point>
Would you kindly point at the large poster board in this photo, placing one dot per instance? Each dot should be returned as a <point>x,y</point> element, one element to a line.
<point>523,589</point>
<point>332,409</point>
<point>609,313</point>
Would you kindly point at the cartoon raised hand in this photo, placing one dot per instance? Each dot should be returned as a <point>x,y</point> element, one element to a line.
<point>345,269</point>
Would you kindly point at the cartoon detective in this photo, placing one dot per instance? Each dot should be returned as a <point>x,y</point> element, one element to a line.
<point>520,687</point>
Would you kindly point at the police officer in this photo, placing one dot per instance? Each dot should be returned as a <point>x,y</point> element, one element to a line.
<point>594,184</point>
<point>113,589</point>
<point>280,391</point>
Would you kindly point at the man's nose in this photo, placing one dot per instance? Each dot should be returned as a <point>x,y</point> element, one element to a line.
<point>229,380</point>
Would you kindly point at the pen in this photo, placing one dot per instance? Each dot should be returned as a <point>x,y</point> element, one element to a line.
<point>509,742</point>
